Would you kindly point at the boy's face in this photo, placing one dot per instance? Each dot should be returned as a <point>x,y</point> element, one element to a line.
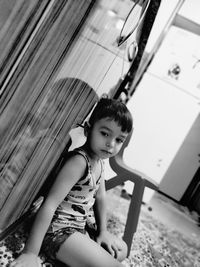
<point>106,138</point>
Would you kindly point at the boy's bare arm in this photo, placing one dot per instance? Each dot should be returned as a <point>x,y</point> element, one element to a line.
<point>66,179</point>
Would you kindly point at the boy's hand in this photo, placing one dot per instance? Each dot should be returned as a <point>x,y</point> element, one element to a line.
<point>26,260</point>
<point>106,240</point>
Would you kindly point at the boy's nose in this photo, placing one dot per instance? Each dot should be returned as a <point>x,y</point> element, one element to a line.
<point>110,143</point>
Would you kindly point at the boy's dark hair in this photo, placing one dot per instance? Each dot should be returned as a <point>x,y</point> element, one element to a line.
<point>113,109</point>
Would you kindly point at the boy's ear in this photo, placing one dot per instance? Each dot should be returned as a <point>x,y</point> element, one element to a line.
<point>86,128</point>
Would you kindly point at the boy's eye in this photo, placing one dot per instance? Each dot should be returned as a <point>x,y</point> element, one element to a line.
<point>120,141</point>
<point>104,133</point>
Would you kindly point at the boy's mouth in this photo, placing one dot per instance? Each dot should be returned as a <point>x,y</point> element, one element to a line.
<point>106,152</point>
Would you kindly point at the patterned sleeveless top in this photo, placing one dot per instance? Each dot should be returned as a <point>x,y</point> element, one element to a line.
<point>73,211</point>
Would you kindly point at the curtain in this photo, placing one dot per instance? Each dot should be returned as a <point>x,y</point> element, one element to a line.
<point>37,110</point>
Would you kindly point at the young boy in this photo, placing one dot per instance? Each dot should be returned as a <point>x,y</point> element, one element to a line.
<point>60,225</point>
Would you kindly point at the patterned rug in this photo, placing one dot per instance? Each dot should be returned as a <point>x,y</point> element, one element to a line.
<point>154,244</point>
<point>157,246</point>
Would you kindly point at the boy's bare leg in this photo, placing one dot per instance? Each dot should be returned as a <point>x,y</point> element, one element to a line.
<point>81,251</point>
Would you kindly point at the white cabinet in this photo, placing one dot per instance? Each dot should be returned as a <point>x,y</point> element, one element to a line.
<point>165,106</point>
<point>163,116</point>
<point>184,165</point>
<point>177,64</point>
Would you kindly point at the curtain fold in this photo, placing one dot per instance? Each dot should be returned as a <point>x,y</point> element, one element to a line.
<point>37,110</point>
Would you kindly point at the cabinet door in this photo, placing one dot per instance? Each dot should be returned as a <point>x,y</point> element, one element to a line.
<point>162,115</point>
